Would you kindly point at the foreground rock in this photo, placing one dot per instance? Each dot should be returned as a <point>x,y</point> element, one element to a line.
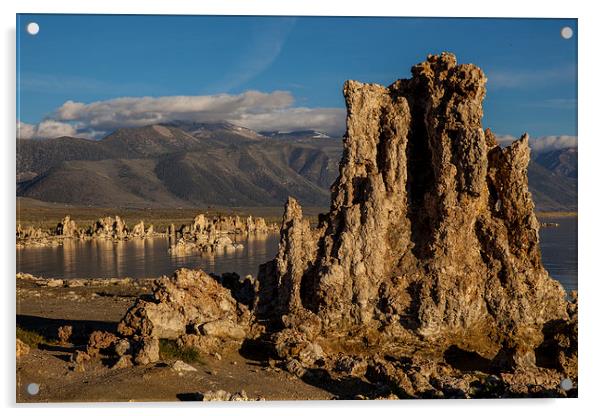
<point>192,308</point>
<point>22,348</point>
<point>431,244</point>
<point>224,396</point>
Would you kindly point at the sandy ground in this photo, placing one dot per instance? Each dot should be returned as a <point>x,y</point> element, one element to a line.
<point>45,309</point>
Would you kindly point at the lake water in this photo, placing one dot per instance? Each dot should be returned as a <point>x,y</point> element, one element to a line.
<point>559,250</point>
<point>150,257</point>
<point>138,258</point>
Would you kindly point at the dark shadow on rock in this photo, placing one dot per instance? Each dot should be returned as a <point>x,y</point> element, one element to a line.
<point>546,354</point>
<point>48,327</point>
<point>346,387</point>
<point>257,350</point>
<point>467,360</point>
<point>57,348</point>
<point>189,397</point>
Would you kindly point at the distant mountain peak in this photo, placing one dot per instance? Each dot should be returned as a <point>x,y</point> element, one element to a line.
<point>206,129</point>
<point>296,134</point>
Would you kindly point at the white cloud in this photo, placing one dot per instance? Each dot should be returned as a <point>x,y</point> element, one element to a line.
<point>252,109</point>
<point>25,130</point>
<point>44,130</point>
<point>553,143</point>
<point>541,144</point>
<point>512,78</point>
<point>330,120</point>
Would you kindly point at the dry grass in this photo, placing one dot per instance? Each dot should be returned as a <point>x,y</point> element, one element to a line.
<point>169,350</point>
<point>47,215</point>
<point>32,338</point>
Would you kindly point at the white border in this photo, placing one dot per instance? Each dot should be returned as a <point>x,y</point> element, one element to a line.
<point>589,185</point>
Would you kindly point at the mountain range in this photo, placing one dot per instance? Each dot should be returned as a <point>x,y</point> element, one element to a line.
<point>189,164</point>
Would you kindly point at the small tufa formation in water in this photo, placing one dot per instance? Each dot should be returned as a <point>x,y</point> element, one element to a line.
<point>212,234</point>
<point>67,228</point>
<point>108,228</point>
<point>31,236</point>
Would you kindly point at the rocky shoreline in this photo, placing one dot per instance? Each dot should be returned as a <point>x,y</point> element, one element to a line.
<point>216,322</point>
<point>205,234</point>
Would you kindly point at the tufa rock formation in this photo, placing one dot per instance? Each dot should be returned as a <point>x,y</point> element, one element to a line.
<point>431,241</point>
<point>110,228</point>
<point>192,308</point>
<point>67,228</point>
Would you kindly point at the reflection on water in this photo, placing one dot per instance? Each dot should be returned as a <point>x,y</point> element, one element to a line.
<point>140,258</point>
<point>150,257</point>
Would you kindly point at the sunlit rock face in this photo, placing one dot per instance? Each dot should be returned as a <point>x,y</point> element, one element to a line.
<point>431,239</point>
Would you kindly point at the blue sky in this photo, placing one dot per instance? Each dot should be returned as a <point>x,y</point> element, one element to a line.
<point>294,68</point>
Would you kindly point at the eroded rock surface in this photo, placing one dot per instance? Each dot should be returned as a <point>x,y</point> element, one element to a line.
<point>191,307</point>
<point>22,348</point>
<point>431,242</point>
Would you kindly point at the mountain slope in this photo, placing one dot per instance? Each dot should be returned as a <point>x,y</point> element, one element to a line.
<point>149,141</point>
<point>560,161</point>
<point>551,191</point>
<point>37,156</point>
<point>185,164</point>
<point>110,182</point>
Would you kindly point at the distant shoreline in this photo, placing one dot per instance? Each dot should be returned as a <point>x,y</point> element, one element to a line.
<point>555,214</point>
<point>47,214</point>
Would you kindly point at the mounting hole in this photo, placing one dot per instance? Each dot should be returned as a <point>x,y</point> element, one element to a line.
<point>33,388</point>
<point>566,384</point>
<point>33,28</point>
<point>566,32</point>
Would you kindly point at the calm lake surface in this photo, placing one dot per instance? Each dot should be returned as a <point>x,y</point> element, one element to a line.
<point>559,250</point>
<point>150,257</point>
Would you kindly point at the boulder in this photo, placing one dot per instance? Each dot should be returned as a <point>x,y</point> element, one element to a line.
<point>64,333</point>
<point>190,300</point>
<point>124,361</point>
<point>79,359</point>
<point>22,348</point>
<point>222,395</point>
<point>100,341</point>
<point>122,347</point>
<point>223,329</point>
<point>147,351</point>
<point>181,367</point>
